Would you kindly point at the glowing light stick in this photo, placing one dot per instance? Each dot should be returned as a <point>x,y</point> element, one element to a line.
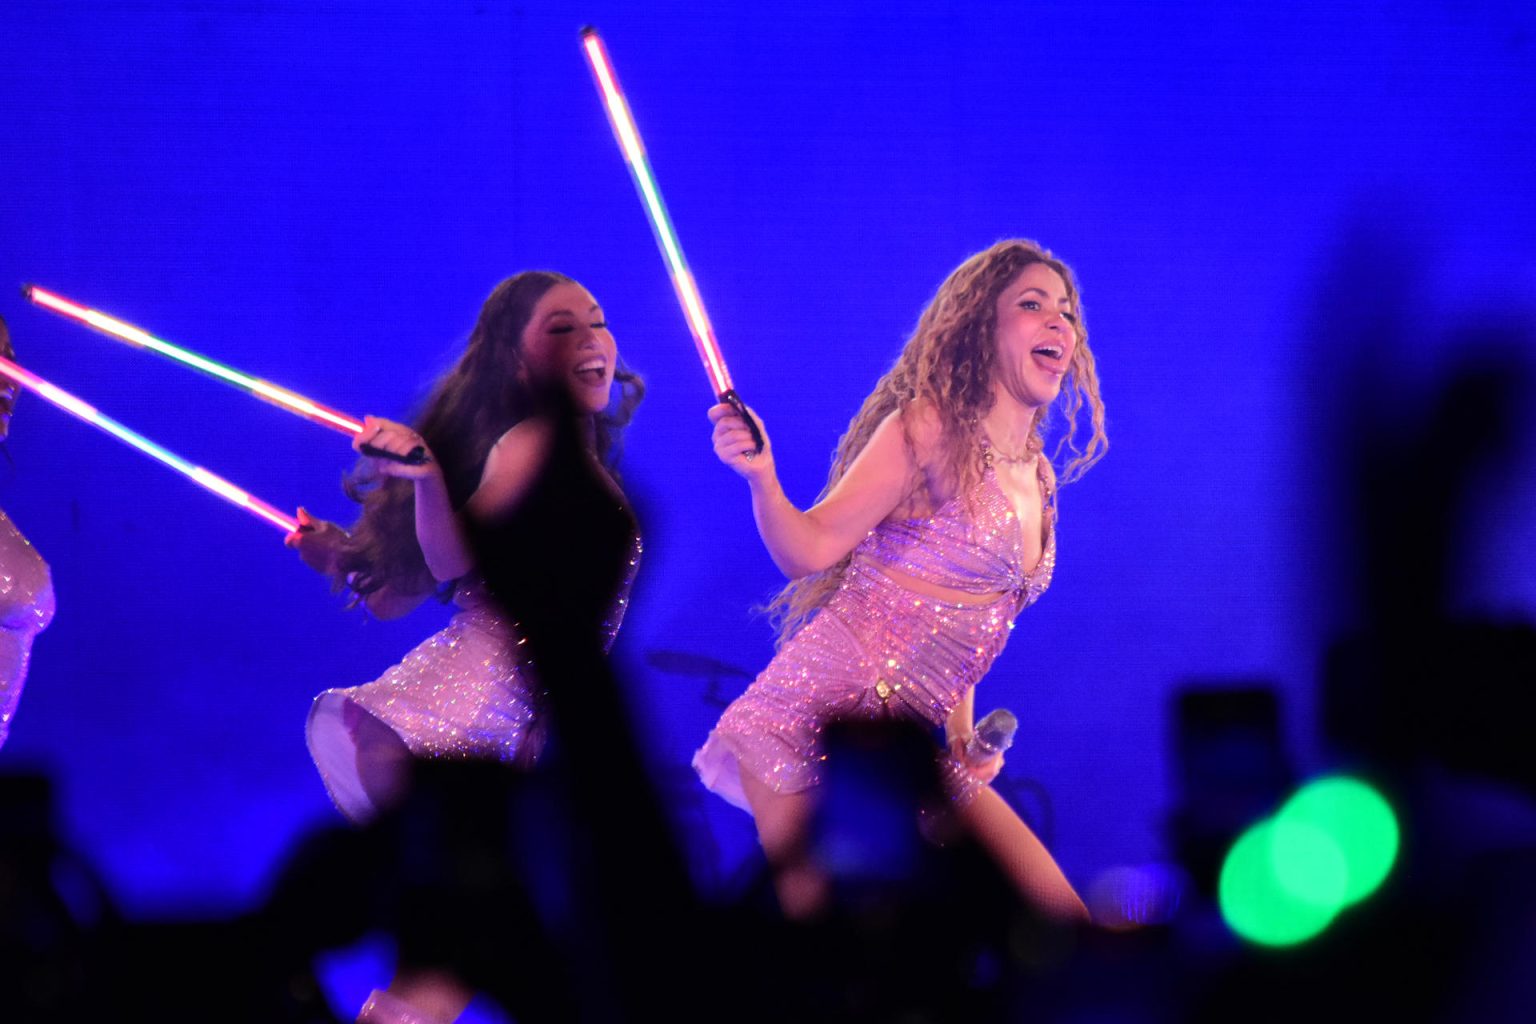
<point>263,389</point>
<point>210,481</point>
<point>628,136</point>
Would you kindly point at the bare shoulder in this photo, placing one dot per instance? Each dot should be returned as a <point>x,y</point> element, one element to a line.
<point>530,434</point>
<point>918,433</point>
<point>520,449</point>
<point>511,466</point>
<point>889,447</point>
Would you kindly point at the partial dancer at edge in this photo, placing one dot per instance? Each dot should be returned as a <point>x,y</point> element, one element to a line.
<point>26,586</point>
<point>463,692</point>
<point>937,526</point>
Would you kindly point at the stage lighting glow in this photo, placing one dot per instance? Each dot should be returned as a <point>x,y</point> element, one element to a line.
<point>1254,902</point>
<point>1307,863</point>
<point>1131,896</point>
<point>1360,823</point>
<point>1332,844</point>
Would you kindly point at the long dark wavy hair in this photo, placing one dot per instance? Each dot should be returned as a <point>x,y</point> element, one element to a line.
<point>9,353</point>
<point>483,396</point>
<point>947,363</point>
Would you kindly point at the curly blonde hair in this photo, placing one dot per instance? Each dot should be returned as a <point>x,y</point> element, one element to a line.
<point>946,366</point>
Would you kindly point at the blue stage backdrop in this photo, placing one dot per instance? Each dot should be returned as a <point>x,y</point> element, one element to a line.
<point>323,193</point>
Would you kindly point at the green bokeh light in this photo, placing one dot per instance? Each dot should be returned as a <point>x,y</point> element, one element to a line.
<point>1332,844</point>
<point>1254,902</point>
<point>1308,864</point>
<point>1359,820</point>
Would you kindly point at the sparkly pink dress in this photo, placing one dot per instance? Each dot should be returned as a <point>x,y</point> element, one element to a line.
<point>879,649</point>
<point>463,692</point>
<point>26,608</point>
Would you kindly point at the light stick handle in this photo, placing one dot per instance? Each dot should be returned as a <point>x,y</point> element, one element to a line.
<point>197,474</point>
<point>732,399</point>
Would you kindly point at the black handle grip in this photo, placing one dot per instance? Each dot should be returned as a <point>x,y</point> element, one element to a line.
<point>415,457</point>
<point>732,399</point>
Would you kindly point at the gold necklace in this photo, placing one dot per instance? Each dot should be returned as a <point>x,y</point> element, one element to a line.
<point>1018,459</point>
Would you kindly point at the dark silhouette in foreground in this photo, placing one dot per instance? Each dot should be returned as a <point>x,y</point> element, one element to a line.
<point>562,894</point>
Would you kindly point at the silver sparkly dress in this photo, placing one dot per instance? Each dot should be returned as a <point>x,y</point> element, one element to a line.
<point>463,692</point>
<point>877,648</point>
<point>26,608</point>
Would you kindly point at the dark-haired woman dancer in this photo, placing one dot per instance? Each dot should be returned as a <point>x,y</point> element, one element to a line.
<point>465,691</point>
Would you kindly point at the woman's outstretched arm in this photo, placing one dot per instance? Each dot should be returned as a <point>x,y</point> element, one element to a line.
<point>319,543</point>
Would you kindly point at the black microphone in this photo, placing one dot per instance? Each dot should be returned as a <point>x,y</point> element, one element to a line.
<point>415,457</point>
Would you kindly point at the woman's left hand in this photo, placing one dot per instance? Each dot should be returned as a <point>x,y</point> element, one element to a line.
<point>397,439</point>
<point>318,542</point>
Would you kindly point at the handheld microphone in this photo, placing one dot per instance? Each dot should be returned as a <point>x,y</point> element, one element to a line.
<point>993,735</point>
<point>415,457</point>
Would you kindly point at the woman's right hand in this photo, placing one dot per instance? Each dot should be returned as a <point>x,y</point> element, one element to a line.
<point>318,543</point>
<point>735,446</point>
<point>397,439</point>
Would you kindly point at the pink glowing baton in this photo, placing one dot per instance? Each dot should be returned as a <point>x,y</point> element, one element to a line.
<point>217,484</point>
<point>628,136</point>
<point>265,390</point>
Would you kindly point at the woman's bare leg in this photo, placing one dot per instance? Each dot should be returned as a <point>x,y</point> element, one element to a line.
<point>1023,858</point>
<point>783,821</point>
<point>383,759</point>
<point>418,1001</point>
<point>415,994</point>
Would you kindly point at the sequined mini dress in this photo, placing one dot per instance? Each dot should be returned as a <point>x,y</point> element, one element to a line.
<point>878,648</point>
<point>26,608</point>
<point>463,692</point>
